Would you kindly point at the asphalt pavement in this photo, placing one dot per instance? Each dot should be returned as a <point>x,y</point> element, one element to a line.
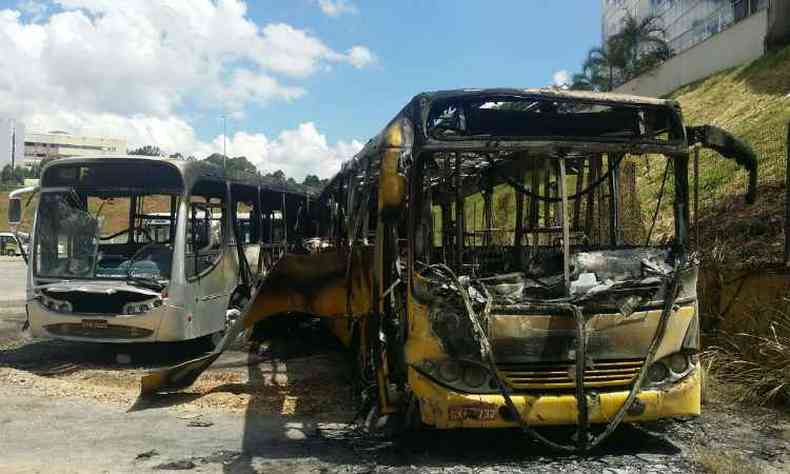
<point>13,273</point>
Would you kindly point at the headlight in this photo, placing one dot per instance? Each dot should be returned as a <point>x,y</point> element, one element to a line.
<point>657,373</point>
<point>449,370</point>
<point>678,363</point>
<point>462,375</point>
<point>475,376</point>
<point>670,369</point>
<point>55,305</point>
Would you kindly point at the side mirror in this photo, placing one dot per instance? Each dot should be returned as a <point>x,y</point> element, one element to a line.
<point>14,211</point>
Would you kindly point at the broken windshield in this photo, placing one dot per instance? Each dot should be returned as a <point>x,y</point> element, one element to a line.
<point>499,218</point>
<point>67,236</point>
<point>105,235</point>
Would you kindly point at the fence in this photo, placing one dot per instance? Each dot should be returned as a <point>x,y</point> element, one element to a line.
<point>722,221</point>
<point>746,249</point>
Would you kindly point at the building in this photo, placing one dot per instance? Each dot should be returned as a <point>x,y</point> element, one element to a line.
<point>12,142</point>
<point>39,146</point>
<point>706,36</point>
<point>687,22</point>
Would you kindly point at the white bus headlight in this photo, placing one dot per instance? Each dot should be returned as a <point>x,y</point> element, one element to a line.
<point>55,305</point>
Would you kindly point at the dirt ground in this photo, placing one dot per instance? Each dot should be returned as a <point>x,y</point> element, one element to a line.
<point>287,406</point>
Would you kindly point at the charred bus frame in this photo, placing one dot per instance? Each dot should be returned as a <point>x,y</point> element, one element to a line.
<point>541,324</point>
<point>556,327</point>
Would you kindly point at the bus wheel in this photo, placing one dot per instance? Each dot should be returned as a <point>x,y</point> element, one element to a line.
<point>10,253</point>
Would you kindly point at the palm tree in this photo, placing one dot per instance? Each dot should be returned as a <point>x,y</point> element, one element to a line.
<point>605,63</point>
<point>638,46</point>
<point>641,43</point>
<point>590,79</point>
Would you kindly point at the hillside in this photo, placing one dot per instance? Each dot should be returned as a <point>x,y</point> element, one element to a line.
<point>752,101</point>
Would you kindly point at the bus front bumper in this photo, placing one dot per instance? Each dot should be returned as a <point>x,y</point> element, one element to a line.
<point>110,328</point>
<point>443,408</point>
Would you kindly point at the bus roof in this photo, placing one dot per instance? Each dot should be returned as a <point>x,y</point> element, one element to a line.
<point>420,109</point>
<point>190,171</point>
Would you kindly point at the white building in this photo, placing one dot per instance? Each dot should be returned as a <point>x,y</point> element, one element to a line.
<point>12,142</point>
<point>687,22</point>
<point>39,146</point>
<point>706,36</point>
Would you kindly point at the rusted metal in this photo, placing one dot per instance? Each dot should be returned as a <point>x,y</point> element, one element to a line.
<point>477,317</point>
<point>614,200</point>
<point>697,242</point>
<point>566,235</point>
<point>577,203</point>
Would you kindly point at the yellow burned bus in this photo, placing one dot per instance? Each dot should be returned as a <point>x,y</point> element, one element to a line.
<point>489,263</point>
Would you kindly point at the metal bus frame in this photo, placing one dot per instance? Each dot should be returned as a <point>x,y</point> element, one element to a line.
<point>186,306</point>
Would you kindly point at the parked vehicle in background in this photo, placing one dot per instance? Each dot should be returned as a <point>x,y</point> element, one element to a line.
<point>12,244</point>
<point>134,249</point>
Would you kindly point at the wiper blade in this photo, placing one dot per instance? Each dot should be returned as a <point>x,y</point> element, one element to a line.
<point>148,283</point>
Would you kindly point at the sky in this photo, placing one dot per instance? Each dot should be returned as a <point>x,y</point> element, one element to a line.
<point>302,84</point>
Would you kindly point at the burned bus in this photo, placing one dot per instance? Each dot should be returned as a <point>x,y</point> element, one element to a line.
<point>491,263</point>
<point>136,249</point>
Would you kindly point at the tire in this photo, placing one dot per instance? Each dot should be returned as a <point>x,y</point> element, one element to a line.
<point>10,253</point>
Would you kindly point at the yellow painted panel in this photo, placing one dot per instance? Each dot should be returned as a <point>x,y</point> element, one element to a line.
<point>437,402</point>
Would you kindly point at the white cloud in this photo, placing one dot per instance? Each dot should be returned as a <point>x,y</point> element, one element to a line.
<point>360,56</point>
<point>297,152</point>
<point>132,69</point>
<point>561,78</point>
<point>335,8</point>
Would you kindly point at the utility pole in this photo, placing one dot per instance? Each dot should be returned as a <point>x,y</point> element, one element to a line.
<point>13,148</point>
<point>224,139</point>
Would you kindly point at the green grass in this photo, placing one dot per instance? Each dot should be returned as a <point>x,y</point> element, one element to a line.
<point>750,101</point>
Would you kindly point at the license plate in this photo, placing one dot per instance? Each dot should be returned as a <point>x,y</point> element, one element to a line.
<point>94,324</point>
<point>482,412</point>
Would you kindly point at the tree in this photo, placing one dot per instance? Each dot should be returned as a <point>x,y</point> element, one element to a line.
<point>606,63</point>
<point>641,43</point>
<point>590,79</point>
<point>277,175</point>
<point>11,175</point>
<point>638,46</point>
<point>312,180</point>
<point>7,173</point>
<point>147,150</point>
<point>233,166</point>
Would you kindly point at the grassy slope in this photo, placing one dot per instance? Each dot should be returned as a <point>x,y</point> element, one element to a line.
<point>753,102</point>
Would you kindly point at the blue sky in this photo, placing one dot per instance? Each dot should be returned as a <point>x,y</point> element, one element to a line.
<point>430,45</point>
<point>305,81</point>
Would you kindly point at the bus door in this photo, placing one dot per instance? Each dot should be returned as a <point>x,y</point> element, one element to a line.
<point>211,274</point>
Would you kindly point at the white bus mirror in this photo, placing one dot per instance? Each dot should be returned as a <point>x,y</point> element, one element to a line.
<point>14,211</point>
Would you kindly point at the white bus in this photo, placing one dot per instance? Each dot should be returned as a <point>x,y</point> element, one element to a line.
<point>136,249</point>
